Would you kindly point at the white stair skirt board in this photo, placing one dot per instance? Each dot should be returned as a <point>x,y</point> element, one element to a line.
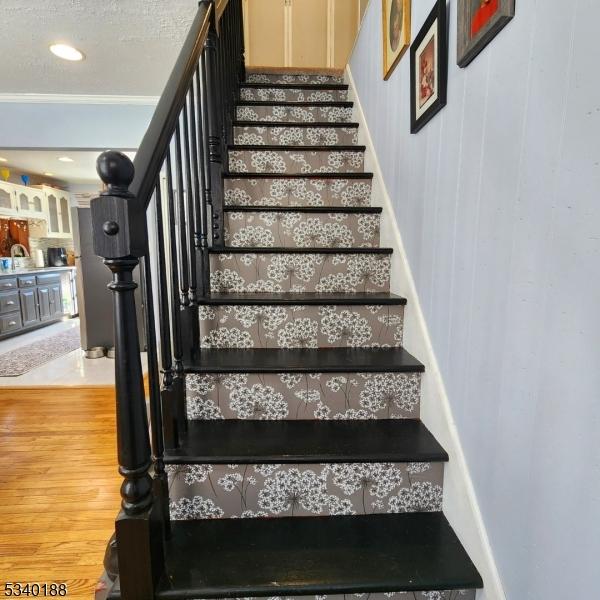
<point>460,501</point>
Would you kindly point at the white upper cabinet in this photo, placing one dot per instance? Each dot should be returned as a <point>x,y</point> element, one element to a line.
<point>8,205</point>
<point>30,202</point>
<point>57,207</point>
<point>50,207</point>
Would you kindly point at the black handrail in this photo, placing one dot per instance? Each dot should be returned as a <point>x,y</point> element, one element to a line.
<point>165,209</point>
<point>153,148</point>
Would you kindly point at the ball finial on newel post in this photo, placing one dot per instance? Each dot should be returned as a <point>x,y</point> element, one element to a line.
<point>117,171</point>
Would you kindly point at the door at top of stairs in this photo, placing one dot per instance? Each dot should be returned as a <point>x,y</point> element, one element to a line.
<point>301,33</point>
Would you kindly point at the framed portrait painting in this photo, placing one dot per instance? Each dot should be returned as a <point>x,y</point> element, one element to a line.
<point>396,33</point>
<point>479,21</point>
<point>429,68</point>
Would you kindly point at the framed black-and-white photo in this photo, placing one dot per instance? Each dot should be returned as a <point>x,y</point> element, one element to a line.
<point>429,68</point>
<point>479,22</point>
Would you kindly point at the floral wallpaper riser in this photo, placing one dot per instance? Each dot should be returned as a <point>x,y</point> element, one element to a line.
<point>292,78</point>
<point>298,192</point>
<point>296,136</point>
<point>301,326</point>
<point>303,490</point>
<point>301,230</point>
<point>324,396</point>
<point>299,272</point>
<point>295,114</point>
<point>273,94</point>
<point>289,161</point>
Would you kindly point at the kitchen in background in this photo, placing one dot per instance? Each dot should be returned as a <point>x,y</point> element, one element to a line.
<point>45,220</point>
<point>37,258</point>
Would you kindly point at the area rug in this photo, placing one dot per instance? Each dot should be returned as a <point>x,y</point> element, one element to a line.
<point>22,360</point>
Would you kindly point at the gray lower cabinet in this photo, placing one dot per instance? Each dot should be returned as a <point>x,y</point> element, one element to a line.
<point>29,301</point>
<point>56,305</point>
<point>10,323</point>
<point>29,313</point>
<point>43,294</point>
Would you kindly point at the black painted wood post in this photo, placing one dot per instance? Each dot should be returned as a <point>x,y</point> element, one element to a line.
<point>168,400</point>
<point>119,231</point>
<point>178,384</point>
<point>202,122</point>
<point>215,142</point>
<point>241,41</point>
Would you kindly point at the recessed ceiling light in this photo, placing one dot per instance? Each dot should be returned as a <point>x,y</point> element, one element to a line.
<point>65,159</point>
<point>49,174</point>
<point>66,52</point>
<point>2,159</point>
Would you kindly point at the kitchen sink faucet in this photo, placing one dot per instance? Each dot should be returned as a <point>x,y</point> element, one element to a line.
<point>13,250</point>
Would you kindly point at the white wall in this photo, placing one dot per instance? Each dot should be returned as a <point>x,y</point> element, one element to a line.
<point>498,203</point>
<point>55,124</point>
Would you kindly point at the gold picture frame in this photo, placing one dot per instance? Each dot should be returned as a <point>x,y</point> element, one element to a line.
<point>396,33</point>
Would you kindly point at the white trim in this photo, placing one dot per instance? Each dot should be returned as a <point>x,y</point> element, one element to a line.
<point>460,501</point>
<point>78,99</point>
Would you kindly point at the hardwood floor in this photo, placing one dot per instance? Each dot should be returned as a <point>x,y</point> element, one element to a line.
<point>59,485</point>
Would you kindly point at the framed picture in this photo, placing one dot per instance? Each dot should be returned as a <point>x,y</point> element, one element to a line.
<point>429,68</point>
<point>479,21</point>
<point>396,33</point>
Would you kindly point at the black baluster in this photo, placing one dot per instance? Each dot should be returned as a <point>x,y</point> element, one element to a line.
<point>205,170</point>
<point>119,237</point>
<point>190,200</point>
<point>184,285</point>
<point>200,241</point>
<point>176,309</point>
<point>191,324</point>
<point>168,401</point>
<point>241,42</point>
<point>214,133</point>
<point>161,488</point>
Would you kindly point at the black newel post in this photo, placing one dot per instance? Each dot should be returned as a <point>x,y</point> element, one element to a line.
<point>215,143</point>
<point>120,238</point>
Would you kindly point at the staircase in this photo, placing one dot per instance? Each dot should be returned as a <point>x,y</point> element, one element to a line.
<point>296,463</point>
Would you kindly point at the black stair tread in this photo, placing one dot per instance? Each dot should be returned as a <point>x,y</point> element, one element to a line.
<point>313,124</point>
<point>296,86</point>
<point>336,175</point>
<point>254,147</point>
<point>278,250</point>
<point>216,558</point>
<point>302,298</point>
<point>342,103</point>
<point>304,360</point>
<point>235,441</point>
<point>374,210</point>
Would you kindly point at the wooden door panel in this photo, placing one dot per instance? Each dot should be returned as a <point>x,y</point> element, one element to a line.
<point>309,33</point>
<point>345,18</point>
<point>265,33</point>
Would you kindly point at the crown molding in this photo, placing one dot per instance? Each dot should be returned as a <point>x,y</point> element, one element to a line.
<point>78,99</point>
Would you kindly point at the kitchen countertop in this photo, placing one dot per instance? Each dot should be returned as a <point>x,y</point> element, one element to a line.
<point>35,270</point>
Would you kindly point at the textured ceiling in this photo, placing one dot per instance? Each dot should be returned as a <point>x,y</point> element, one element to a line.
<point>130,45</point>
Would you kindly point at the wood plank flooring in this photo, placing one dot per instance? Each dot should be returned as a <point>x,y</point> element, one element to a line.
<point>59,485</point>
